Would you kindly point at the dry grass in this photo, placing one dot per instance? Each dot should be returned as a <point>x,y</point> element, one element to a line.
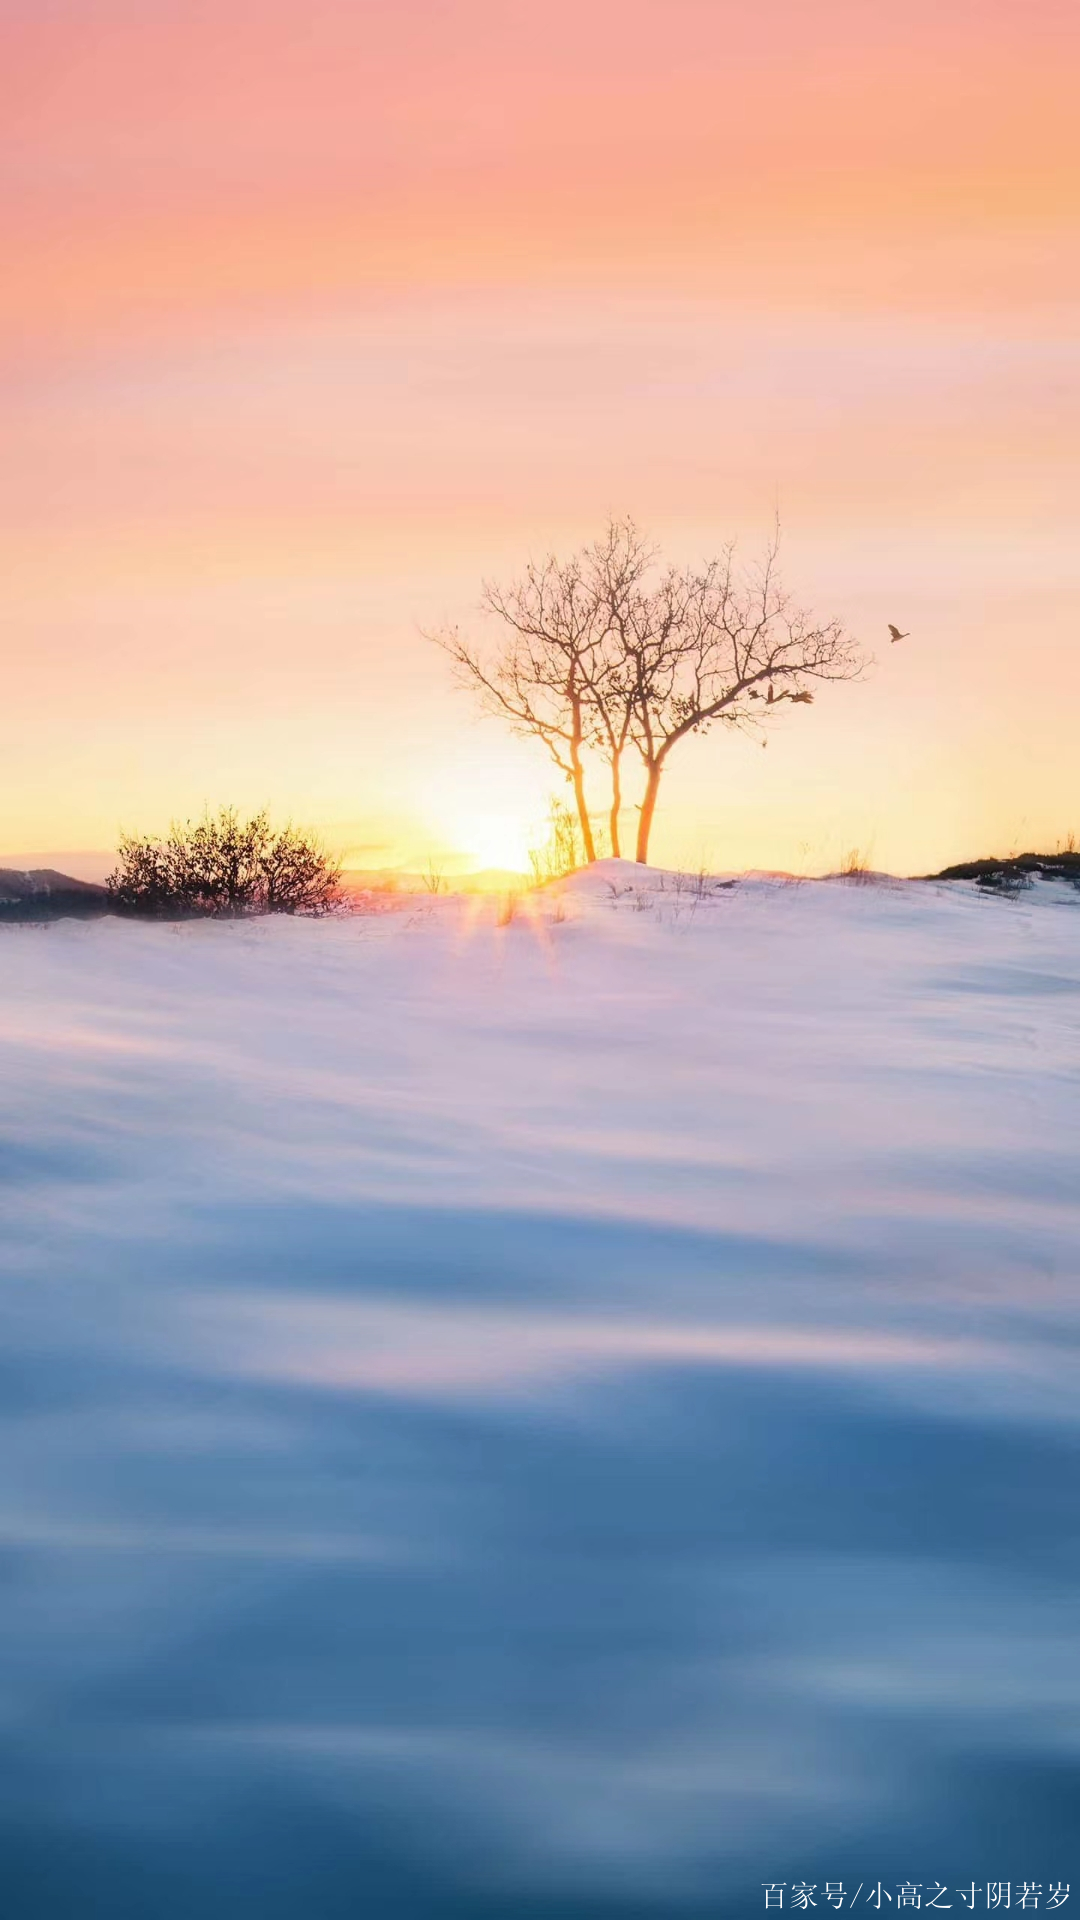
<point>855,868</point>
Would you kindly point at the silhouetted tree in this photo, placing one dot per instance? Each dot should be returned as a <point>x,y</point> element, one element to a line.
<point>226,866</point>
<point>607,651</point>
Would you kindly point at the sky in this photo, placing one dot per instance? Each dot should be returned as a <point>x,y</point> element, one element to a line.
<point>314,319</point>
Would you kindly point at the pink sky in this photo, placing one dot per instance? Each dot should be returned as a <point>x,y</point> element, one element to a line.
<point>312,321</point>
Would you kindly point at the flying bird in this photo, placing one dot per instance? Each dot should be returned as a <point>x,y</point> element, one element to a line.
<point>895,634</point>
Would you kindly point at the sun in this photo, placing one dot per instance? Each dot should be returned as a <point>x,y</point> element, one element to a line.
<point>499,840</point>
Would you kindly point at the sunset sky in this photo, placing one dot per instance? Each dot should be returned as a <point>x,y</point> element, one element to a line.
<point>315,315</point>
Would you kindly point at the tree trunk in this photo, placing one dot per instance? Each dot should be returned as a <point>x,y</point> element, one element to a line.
<point>648,808</point>
<point>583,813</point>
<point>616,806</point>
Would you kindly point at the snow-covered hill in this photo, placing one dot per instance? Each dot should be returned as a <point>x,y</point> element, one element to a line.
<point>574,1416</point>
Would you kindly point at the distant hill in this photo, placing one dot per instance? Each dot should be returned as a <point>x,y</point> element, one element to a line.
<point>43,894</point>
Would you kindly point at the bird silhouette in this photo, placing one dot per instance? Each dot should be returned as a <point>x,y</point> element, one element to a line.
<point>801,699</point>
<point>896,634</point>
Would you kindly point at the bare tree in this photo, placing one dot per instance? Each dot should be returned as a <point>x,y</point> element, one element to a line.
<point>604,652</point>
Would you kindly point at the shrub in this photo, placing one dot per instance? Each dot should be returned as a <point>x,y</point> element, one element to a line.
<point>224,866</point>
